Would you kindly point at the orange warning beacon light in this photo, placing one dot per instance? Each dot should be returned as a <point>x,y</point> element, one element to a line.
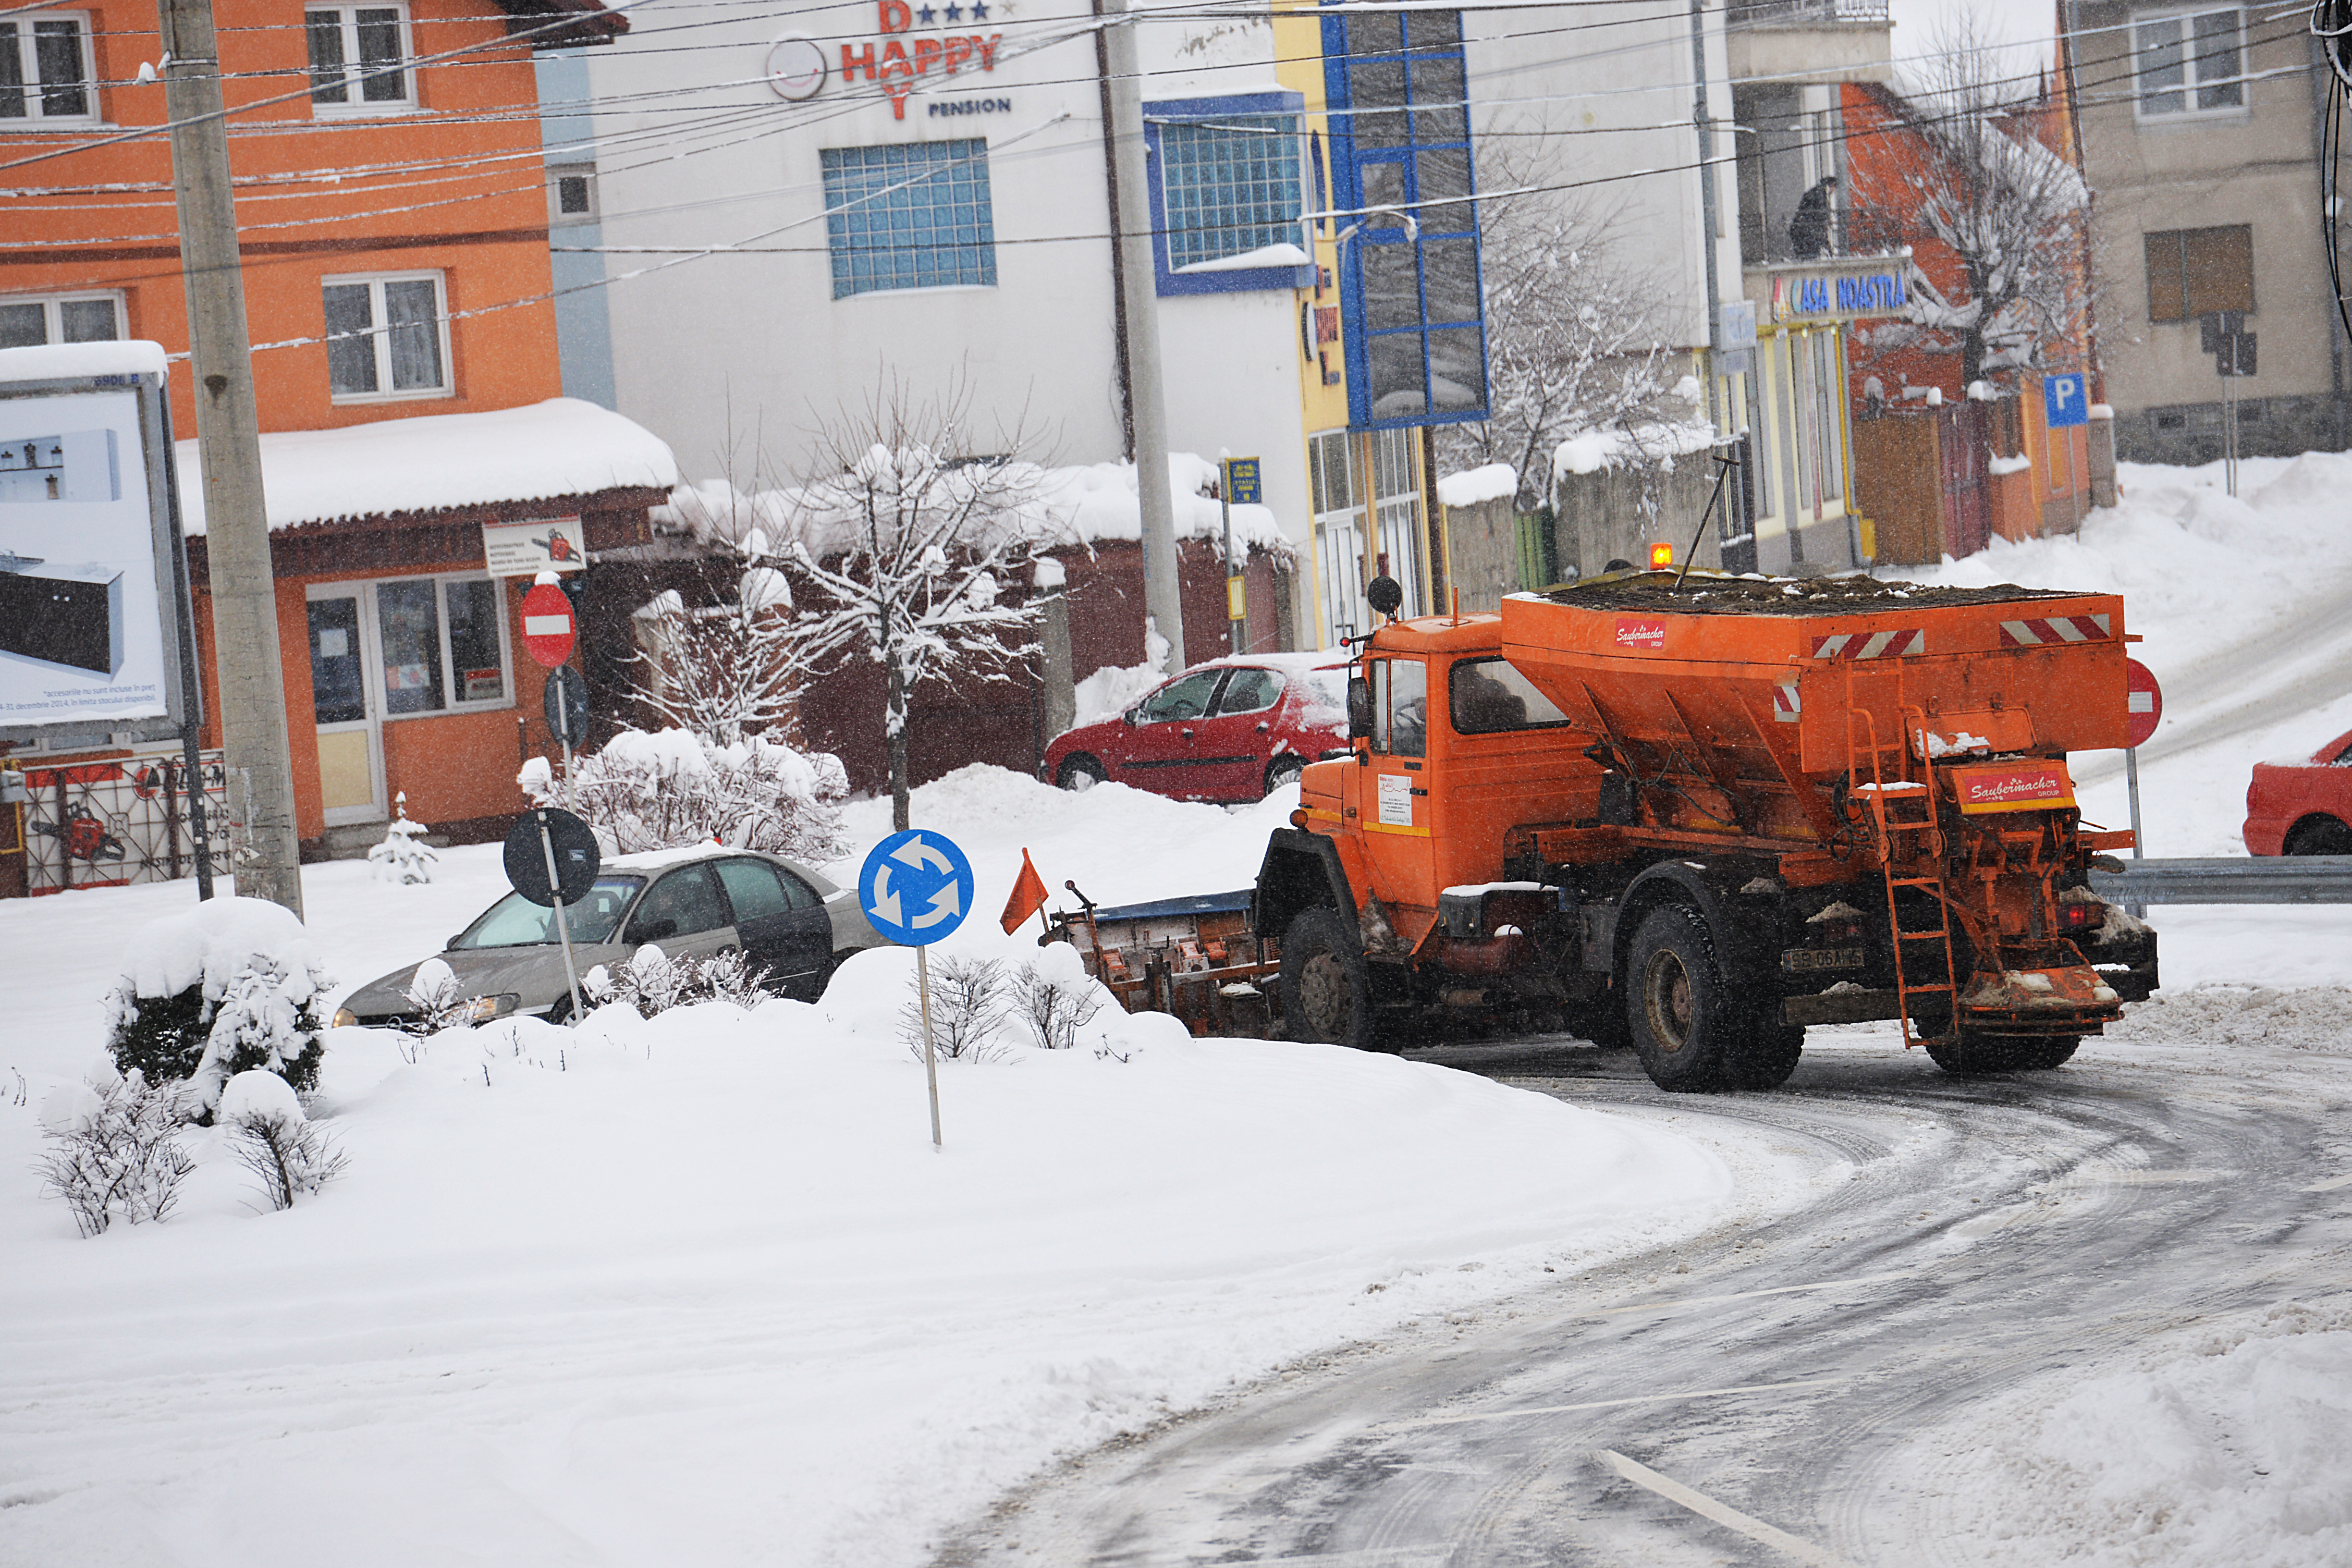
<point>1662,556</point>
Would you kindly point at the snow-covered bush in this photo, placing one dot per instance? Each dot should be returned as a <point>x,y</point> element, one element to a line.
<point>1055,996</point>
<point>662,789</point>
<point>113,1150</point>
<point>651,981</point>
<point>230,985</point>
<point>403,856</point>
<point>276,1141</point>
<point>967,1010</point>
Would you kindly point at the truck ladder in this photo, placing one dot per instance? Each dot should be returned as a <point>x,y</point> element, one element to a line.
<point>1898,813</point>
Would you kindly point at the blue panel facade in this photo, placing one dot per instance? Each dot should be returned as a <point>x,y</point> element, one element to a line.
<point>1226,181</point>
<point>1411,313</point>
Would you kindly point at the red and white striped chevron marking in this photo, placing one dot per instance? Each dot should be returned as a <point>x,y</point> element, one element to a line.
<point>1872,645</point>
<point>2055,630</point>
<point>1786,707</point>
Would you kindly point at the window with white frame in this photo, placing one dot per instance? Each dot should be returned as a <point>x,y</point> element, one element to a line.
<point>28,320</point>
<point>386,336</point>
<point>908,216</point>
<point>45,71</point>
<point>357,58</point>
<point>443,644</point>
<point>2188,64</point>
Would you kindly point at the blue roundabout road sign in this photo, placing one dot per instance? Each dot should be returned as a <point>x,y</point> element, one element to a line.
<point>915,887</point>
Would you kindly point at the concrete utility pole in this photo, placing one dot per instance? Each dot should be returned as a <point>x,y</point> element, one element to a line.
<point>229,443</point>
<point>1163,602</point>
<point>1704,119</point>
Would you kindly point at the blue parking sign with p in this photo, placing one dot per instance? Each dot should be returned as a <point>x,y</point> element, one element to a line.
<point>915,887</point>
<point>2065,401</point>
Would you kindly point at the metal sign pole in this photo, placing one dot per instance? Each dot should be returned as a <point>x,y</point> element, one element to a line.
<point>930,1062</point>
<point>1234,634</point>
<point>2131,784</point>
<point>562,926</point>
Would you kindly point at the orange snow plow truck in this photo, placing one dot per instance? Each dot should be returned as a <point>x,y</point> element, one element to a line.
<point>1698,815</point>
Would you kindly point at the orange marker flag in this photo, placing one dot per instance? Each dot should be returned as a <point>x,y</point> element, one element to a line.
<point>1028,896</point>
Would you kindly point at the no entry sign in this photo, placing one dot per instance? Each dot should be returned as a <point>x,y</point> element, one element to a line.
<point>2144,705</point>
<point>547,632</point>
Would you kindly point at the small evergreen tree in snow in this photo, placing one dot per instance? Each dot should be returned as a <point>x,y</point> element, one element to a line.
<point>231,986</point>
<point>403,856</point>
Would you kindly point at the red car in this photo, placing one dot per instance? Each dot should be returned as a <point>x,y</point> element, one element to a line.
<point>1231,730</point>
<point>2302,808</point>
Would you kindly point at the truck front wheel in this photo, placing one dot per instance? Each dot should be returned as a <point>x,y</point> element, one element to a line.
<point>1683,1019</point>
<point>1327,993</point>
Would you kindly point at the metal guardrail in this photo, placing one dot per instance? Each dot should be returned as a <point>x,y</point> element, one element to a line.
<point>2230,879</point>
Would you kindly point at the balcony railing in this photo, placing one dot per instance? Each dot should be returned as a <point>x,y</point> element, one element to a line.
<point>1804,13</point>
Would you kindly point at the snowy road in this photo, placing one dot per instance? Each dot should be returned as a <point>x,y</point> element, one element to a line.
<point>1815,1389</point>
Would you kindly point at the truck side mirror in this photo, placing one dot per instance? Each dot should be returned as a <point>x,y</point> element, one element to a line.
<point>1359,707</point>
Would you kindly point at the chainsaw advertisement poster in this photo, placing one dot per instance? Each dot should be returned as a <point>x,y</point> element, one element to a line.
<point>82,634</point>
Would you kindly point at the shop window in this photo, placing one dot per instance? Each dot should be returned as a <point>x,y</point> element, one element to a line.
<point>386,336</point>
<point>358,59</point>
<point>44,68</point>
<point>2194,271</point>
<point>443,644</point>
<point>1411,305</point>
<point>29,321</point>
<point>1226,181</point>
<point>910,216</point>
<point>2189,64</point>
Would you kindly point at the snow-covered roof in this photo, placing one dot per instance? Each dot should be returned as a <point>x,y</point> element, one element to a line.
<point>559,447</point>
<point>54,362</point>
<point>1492,483</point>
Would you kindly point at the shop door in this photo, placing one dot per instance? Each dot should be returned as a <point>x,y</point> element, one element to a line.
<point>350,738</point>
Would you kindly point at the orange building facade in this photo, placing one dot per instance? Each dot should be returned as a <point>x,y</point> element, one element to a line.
<point>1954,463</point>
<point>393,212</point>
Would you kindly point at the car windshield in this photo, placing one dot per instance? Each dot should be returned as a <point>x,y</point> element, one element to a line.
<point>515,922</point>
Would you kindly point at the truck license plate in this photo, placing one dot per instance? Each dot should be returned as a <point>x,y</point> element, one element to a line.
<point>1822,957</point>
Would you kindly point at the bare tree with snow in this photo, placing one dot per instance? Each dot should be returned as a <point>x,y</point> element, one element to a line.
<point>2011,211</point>
<point>1576,336</point>
<point>902,544</point>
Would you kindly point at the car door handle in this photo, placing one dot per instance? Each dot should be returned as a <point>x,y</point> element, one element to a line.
<point>1262,727</point>
<point>1188,734</point>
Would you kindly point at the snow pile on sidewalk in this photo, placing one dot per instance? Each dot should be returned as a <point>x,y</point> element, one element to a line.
<point>2230,1453</point>
<point>698,1290</point>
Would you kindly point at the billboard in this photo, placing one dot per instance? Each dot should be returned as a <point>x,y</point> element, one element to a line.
<point>88,560</point>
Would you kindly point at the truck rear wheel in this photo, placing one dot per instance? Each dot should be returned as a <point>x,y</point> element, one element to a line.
<point>1686,1026</point>
<point>1327,990</point>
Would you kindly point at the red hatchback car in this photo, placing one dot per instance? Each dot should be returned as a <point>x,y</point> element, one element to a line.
<point>2302,808</point>
<point>1231,730</point>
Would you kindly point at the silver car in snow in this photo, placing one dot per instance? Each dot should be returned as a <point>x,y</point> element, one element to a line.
<point>693,903</point>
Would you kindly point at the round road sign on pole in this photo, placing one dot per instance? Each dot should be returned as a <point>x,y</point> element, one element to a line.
<point>547,632</point>
<point>2144,705</point>
<point>915,887</point>
<point>570,844</point>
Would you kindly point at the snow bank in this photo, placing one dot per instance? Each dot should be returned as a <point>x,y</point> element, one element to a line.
<point>1598,449</point>
<point>1492,483</point>
<point>563,446</point>
<point>213,941</point>
<point>2224,1446</point>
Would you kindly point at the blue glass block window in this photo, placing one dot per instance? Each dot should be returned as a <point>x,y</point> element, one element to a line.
<point>1229,186</point>
<point>912,215</point>
<point>1412,313</point>
<point>1226,181</point>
